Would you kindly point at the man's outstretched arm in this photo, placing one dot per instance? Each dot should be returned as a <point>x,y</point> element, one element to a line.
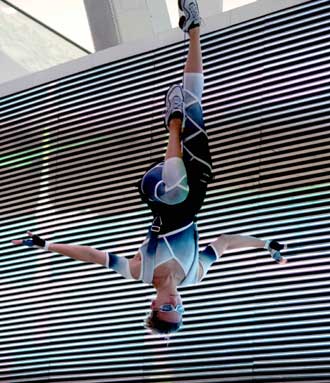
<point>81,253</point>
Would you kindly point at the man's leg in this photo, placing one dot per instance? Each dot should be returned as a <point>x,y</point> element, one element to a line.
<point>191,145</point>
<point>194,61</point>
<point>174,148</point>
<point>167,183</point>
<point>196,154</point>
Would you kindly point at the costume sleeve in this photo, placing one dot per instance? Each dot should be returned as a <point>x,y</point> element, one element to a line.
<point>173,188</point>
<point>206,258</point>
<point>120,265</point>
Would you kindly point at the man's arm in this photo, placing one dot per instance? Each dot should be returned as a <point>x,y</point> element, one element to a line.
<point>81,253</point>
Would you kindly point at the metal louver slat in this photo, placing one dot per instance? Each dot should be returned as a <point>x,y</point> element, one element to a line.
<point>71,153</point>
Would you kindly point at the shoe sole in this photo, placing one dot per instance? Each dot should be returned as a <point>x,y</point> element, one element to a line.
<point>183,17</point>
<point>183,8</point>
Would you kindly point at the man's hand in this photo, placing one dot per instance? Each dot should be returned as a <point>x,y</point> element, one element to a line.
<point>34,241</point>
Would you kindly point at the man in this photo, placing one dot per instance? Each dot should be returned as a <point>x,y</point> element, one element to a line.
<point>174,190</point>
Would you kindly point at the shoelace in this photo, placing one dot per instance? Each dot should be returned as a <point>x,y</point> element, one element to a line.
<point>194,10</point>
<point>176,102</point>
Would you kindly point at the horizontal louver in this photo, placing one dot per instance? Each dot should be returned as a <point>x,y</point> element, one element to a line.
<point>71,153</point>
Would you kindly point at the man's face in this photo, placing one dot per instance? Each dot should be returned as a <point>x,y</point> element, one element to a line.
<point>162,299</point>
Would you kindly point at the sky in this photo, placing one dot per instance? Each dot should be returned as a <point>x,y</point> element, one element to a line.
<point>65,16</point>
<point>69,16</point>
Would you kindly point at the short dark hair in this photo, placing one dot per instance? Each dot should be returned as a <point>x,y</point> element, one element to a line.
<point>159,326</point>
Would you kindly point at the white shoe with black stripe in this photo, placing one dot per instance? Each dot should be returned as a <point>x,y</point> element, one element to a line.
<point>190,18</point>
<point>174,104</point>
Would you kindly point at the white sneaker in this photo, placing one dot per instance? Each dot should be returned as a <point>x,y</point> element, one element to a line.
<point>275,251</point>
<point>191,18</point>
<point>174,104</point>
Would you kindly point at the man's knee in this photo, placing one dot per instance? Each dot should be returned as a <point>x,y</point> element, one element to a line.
<point>175,196</point>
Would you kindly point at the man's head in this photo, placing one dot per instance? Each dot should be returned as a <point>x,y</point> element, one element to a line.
<point>166,314</point>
